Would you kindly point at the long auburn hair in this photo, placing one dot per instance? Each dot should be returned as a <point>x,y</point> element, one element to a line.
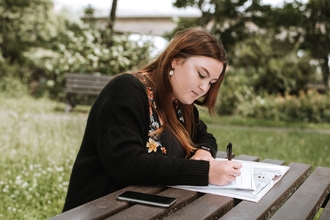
<point>186,43</point>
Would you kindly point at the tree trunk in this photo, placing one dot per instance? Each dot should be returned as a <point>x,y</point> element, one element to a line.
<point>325,71</point>
<point>112,16</point>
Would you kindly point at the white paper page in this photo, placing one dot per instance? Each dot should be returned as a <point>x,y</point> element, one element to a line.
<point>264,180</point>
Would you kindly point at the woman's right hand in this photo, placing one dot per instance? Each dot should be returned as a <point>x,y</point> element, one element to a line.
<point>223,172</point>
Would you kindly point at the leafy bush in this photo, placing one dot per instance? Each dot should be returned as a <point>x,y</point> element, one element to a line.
<point>272,67</point>
<point>50,44</point>
<point>12,87</point>
<point>11,84</point>
<point>24,24</point>
<point>84,50</point>
<point>235,89</point>
<point>261,69</point>
<point>308,106</point>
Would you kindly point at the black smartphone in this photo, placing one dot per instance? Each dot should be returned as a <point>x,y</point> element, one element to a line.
<point>145,198</point>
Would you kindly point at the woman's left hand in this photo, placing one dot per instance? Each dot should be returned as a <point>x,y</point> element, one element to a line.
<point>201,154</point>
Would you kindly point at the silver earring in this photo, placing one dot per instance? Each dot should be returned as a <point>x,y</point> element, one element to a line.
<point>171,72</point>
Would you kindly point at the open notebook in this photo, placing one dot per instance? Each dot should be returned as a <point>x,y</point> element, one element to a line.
<point>255,181</point>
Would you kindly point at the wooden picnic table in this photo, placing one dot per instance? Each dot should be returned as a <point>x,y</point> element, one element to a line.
<point>298,195</point>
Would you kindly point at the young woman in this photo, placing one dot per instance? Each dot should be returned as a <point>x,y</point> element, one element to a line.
<point>144,127</point>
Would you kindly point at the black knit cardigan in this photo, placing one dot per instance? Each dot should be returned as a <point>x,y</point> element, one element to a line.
<point>113,151</point>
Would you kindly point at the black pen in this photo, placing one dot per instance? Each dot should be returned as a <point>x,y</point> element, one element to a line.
<point>229,151</point>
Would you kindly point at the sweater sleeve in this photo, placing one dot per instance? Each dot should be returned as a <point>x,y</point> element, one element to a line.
<point>119,123</point>
<point>202,137</point>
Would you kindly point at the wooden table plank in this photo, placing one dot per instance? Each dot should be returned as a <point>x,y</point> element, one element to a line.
<point>306,201</point>
<point>222,154</point>
<point>247,158</point>
<point>272,161</point>
<point>194,205</point>
<point>104,206</point>
<point>209,206</point>
<point>274,199</point>
<point>326,212</point>
<point>140,211</point>
<point>206,207</point>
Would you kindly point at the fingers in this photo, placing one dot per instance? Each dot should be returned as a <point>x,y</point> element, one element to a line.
<point>233,168</point>
<point>231,176</point>
<point>224,172</point>
<point>236,172</point>
<point>236,164</point>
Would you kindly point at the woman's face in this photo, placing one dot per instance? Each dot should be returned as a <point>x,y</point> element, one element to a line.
<point>192,77</point>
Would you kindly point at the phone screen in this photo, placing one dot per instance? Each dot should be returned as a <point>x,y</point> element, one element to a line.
<point>146,198</point>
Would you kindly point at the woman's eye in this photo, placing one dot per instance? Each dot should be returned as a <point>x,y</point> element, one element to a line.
<point>212,82</point>
<point>200,75</point>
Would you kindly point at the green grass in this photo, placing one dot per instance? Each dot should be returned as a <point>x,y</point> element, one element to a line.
<point>291,146</point>
<point>38,146</point>
<point>257,122</point>
<point>292,142</point>
<point>39,143</point>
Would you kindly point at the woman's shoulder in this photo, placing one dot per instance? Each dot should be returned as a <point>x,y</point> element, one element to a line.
<point>123,88</point>
<point>125,81</point>
<point>125,78</point>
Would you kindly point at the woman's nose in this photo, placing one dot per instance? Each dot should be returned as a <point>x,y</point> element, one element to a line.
<point>204,86</point>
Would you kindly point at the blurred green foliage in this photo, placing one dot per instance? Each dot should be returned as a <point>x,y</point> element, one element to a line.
<point>23,24</point>
<point>308,106</point>
<point>271,67</point>
<point>38,46</point>
<point>272,52</point>
<point>296,26</point>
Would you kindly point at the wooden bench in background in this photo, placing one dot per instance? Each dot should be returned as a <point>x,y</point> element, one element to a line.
<point>86,84</point>
<point>298,195</point>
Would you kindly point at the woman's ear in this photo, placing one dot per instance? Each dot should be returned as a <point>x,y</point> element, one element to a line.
<point>175,62</point>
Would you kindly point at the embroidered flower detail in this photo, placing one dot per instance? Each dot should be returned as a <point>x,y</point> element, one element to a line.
<point>154,125</point>
<point>180,117</point>
<point>152,145</point>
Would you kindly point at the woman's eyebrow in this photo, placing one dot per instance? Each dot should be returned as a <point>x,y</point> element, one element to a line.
<point>208,73</point>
